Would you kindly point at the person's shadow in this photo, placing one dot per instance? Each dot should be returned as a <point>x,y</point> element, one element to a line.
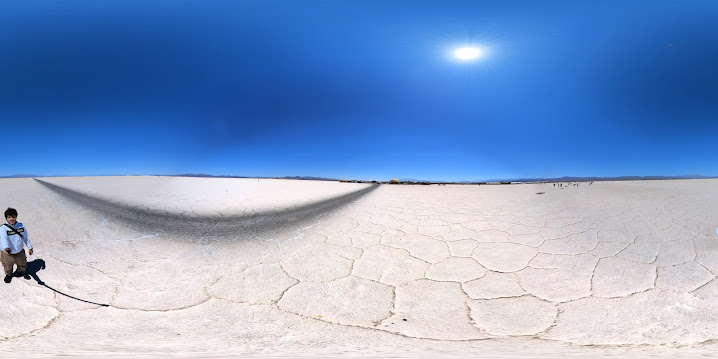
<point>38,265</point>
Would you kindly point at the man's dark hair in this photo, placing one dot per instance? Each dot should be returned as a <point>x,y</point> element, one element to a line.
<point>10,211</point>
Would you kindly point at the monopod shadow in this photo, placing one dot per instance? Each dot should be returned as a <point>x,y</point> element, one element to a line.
<point>38,265</point>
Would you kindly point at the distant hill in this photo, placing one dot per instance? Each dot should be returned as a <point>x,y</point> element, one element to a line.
<point>205,175</point>
<point>308,178</point>
<point>619,178</point>
<point>570,179</point>
<point>285,177</point>
<point>415,180</point>
<point>21,176</point>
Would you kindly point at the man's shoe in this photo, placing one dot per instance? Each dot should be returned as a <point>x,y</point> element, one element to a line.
<point>8,278</point>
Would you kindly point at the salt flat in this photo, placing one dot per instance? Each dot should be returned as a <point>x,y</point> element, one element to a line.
<point>201,267</point>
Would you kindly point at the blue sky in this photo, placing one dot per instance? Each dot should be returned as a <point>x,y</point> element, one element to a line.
<point>360,89</point>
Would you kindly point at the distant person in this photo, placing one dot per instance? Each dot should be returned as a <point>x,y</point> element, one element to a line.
<point>12,236</point>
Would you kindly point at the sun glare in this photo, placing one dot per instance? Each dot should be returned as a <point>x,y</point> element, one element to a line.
<point>468,53</point>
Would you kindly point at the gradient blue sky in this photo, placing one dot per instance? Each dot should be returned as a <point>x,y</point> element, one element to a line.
<point>360,89</point>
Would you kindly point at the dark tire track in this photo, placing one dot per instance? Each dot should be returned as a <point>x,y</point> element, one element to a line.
<point>221,227</point>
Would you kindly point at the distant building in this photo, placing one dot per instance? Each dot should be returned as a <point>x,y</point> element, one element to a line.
<point>394,181</point>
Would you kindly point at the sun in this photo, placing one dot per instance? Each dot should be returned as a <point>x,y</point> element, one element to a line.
<point>468,53</point>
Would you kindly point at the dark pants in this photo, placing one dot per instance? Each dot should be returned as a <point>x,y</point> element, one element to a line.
<point>9,260</point>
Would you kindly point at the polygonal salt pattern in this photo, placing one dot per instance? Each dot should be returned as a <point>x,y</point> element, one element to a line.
<point>572,229</point>
<point>559,278</point>
<point>241,286</point>
<point>531,240</point>
<point>381,219</point>
<point>552,233</point>
<point>428,309</point>
<point>455,269</point>
<point>33,305</point>
<point>475,225</point>
<point>459,232</point>
<point>675,252</point>
<point>615,277</point>
<point>525,315</point>
<point>533,221</point>
<point>504,257</point>
<point>709,291</point>
<point>494,285</point>
<point>426,248</point>
<point>502,225</point>
<point>389,266</point>
<point>367,226</point>
<point>434,230</point>
<point>657,318</point>
<point>640,252</point>
<point>462,248</point>
<point>181,288</point>
<point>587,239</point>
<point>704,244</point>
<point>677,233</point>
<point>404,226</point>
<point>561,246</point>
<point>639,227</point>
<point>317,266</point>
<point>523,229</point>
<point>339,239</point>
<point>455,218</point>
<point>349,300</point>
<point>364,239</point>
<point>491,236</point>
<point>708,260</point>
<point>615,235</point>
<point>685,277</point>
<point>612,228</point>
<point>608,249</point>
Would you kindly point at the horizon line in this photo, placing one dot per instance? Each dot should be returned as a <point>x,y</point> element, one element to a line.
<point>516,179</point>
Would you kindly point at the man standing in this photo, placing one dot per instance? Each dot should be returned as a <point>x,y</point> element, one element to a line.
<point>12,236</point>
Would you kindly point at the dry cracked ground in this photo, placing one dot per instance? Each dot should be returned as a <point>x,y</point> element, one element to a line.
<point>123,266</point>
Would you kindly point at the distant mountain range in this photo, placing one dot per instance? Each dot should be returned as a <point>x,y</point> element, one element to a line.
<point>183,175</point>
<point>205,175</point>
<point>21,176</point>
<point>308,178</point>
<point>594,178</point>
<point>572,179</point>
<point>285,177</point>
